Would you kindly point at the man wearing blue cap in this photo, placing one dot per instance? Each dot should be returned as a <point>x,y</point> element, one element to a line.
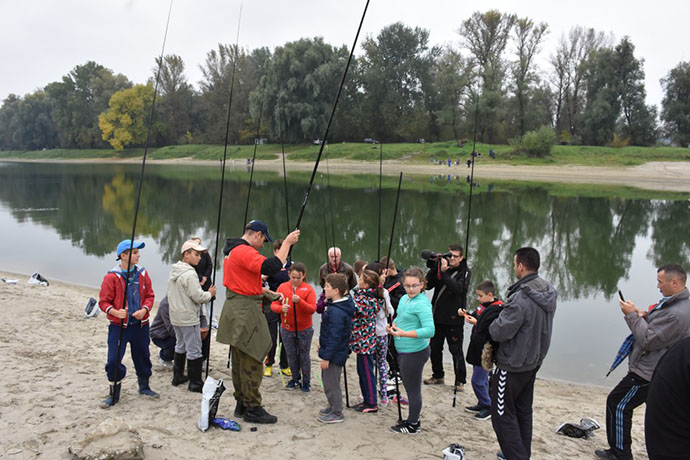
<point>129,322</point>
<point>242,323</point>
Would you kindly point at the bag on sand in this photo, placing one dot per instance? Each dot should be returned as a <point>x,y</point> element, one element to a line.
<point>584,430</point>
<point>36,278</point>
<point>454,452</point>
<point>91,310</point>
<point>210,397</point>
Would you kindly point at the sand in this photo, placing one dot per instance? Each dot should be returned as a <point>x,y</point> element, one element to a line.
<point>52,380</point>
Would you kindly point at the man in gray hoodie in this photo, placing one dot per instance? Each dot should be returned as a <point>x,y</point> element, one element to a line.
<point>186,298</point>
<point>523,331</point>
<point>654,332</point>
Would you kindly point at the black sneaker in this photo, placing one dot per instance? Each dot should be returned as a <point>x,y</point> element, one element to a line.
<point>484,414</point>
<point>406,427</point>
<point>607,454</point>
<point>293,385</point>
<point>572,431</point>
<point>476,408</point>
<point>259,415</point>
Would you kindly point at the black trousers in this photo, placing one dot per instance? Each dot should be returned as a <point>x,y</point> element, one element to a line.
<point>512,394</point>
<point>453,334</point>
<point>271,358</point>
<point>630,393</point>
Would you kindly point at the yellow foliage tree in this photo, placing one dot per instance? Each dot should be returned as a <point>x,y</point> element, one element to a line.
<point>124,123</point>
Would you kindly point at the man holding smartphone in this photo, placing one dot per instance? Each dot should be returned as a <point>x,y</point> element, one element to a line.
<point>654,332</point>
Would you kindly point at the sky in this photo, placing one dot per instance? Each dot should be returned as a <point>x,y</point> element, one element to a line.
<point>40,41</point>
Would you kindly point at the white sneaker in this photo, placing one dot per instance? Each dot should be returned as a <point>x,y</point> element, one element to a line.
<point>165,364</point>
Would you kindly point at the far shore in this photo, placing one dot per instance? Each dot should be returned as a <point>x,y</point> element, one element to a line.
<point>671,176</point>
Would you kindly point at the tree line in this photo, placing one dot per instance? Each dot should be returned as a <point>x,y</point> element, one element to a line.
<point>400,89</point>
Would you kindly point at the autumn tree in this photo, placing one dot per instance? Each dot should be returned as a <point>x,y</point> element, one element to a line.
<point>125,122</point>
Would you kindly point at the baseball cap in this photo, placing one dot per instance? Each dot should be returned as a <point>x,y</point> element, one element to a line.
<point>125,245</point>
<point>191,244</point>
<point>259,226</point>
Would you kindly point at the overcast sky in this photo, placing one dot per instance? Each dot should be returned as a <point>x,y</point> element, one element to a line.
<point>42,40</point>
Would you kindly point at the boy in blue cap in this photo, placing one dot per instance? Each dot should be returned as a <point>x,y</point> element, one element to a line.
<point>129,322</point>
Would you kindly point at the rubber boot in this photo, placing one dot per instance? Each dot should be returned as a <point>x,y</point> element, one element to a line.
<point>113,397</point>
<point>144,387</point>
<point>194,372</point>
<point>178,369</point>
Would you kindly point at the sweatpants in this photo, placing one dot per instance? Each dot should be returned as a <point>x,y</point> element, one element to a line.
<point>367,380</point>
<point>271,357</point>
<point>302,370</point>
<point>452,334</point>
<point>331,386</point>
<point>188,341</point>
<point>411,367</point>
<point>511,395</point>
<point>480,385</point>
<point>630,393</point>
<point>246,378</point>
<point>167,346</point>
<point>382,365</point>
<point>138,339</point>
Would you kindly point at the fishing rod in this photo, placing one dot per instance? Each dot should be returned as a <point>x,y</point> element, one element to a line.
<point>115,396</point>
<point>390,318</point>
<point>222,179</point>
<point>469,209</point>
<point>378,248</point>
<point>256,144</point>
<point>330,120</point>
<point>282,147</point>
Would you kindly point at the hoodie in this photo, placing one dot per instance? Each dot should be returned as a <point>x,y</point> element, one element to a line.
<point>524,326</point>
<point>185,295</point>
<point>336,323</point>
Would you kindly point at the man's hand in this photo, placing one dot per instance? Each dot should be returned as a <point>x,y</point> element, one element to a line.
<point>139,313</point>
<point>628,307</point>
<point>325,363</point>
<point>444,264</point>
<point>292,238</point>
<point>121,314</point>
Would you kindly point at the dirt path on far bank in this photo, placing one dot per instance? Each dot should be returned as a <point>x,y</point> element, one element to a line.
<point>662,176</point>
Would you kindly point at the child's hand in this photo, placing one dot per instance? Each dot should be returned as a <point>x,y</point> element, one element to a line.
<point>139,314</point>
<point>295,298</point>
<point>470,319</point>
<point>121,314</point>
<point>324,364</point>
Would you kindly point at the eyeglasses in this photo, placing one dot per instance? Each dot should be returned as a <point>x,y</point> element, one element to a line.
<point>411,286</point>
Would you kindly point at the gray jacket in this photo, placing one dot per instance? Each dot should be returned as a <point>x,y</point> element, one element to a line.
<point>523,328</point>
<point>185,295</point>
<point>657,332</point>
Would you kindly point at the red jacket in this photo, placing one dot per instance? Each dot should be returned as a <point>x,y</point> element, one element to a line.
<point>113,294</point>
<point>306,307</point>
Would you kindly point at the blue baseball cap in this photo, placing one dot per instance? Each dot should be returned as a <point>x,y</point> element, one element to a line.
<point>259,226</point>
<point>125,245</point>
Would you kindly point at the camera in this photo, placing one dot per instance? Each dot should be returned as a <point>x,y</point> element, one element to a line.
<point>433,259</point>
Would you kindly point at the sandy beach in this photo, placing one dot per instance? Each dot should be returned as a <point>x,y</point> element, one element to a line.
<point>53,380</point>
<point>672,176</point>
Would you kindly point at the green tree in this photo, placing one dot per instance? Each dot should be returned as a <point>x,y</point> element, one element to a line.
<point>603,104</point>
<point>528,38</point>
<point>675,111</point>
<point>125,122</point>
<point>26,123</point>
<point>177,109</point>
<point>453,76</point>
<point>78,100</point>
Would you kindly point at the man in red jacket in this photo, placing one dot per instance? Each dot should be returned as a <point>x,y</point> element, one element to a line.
<point>129,322</point>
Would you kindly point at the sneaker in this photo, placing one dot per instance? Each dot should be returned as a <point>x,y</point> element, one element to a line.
<point>459,387</point>
<point>166,364</point>
<point>433,381</point>
<point>331,417</point>
<point>476,408</point>
<point>286,372</point>
<point>306,388</point>
<point>571,430</point>
<point>501,456</point>
<point>606,454</point>
<point>403,400</point>
<point>406,427</point>
<point>484,414</point>
<point>366,408</point>
<point>293,384</point>
<point>259,415</point>
<point>325,411</point>
<point>268,371</point>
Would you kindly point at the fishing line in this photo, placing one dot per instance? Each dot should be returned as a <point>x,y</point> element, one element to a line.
<point>222,179</point>
<point>256,144</point>
<point>378,246</point>
<point>136,206</point>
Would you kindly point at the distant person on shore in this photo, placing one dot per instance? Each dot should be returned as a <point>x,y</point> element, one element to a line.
<point>523,330</point>
<point>187,299</point>
<point>334,348</point>
<point>242,323</point>
<point>336,265</point>
<point>653,333</point>
<point>130,321</point>
<point>488,310</point>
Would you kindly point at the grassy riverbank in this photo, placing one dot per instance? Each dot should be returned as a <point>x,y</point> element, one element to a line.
<point>403,152</point>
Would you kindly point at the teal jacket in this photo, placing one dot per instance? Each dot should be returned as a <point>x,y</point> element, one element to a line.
<point>414,315</point>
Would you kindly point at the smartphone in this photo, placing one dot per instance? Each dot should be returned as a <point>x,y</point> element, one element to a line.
<point>620,294</point>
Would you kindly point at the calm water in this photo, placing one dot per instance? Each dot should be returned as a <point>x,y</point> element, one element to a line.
<point>64,220</point>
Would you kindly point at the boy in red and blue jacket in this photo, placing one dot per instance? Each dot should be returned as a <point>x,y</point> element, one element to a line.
<point>129,322</point>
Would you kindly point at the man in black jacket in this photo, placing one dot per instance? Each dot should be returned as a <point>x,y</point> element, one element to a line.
<point>449,279</point>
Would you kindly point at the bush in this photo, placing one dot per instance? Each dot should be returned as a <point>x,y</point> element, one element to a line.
<point>538,144</point>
